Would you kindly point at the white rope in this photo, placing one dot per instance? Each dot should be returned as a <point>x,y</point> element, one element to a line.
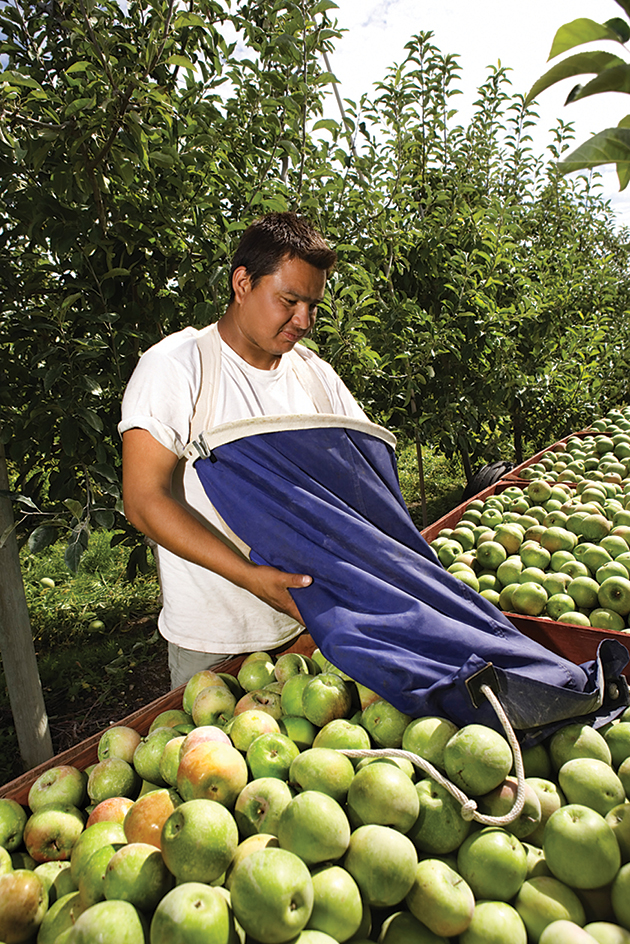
<point>469,809</point>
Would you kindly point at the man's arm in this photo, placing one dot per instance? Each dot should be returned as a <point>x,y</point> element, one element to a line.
<point>149,505</point>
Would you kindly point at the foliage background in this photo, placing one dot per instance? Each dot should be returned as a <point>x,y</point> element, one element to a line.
<point>479,304</point>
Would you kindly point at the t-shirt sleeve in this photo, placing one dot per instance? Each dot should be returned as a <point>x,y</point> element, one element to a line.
<point>161,394</point>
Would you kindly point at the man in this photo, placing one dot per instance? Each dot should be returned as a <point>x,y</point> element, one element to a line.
<point>216,602</point>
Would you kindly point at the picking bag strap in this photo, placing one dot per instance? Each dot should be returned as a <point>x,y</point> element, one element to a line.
<point>209,344</point>
<point>310,381</point>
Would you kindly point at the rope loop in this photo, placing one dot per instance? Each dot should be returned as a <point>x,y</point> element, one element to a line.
<point>469,809</point>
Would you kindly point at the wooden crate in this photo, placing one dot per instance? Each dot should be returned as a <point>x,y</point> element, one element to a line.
<point>84,754</point>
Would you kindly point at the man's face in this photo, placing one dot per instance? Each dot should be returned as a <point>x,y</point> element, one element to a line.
<point>266,321</point>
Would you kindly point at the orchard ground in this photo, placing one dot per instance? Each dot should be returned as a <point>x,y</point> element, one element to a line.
<point>99,652</point>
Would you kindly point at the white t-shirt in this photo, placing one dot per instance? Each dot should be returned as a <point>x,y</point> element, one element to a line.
<point>201,610</point>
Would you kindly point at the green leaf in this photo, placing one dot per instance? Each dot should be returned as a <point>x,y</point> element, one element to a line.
<point>79,67</point>
<point>182,61</point>
<point>91,418</point>
<point>625,6</point>
<point>188,19</point>
<point>611,146</point>
<point>328,124</point>
<point>16,78</point>
<point>323,6</point>
<point>620,27</point>
<point>615,79</point>
<point>584,62</point>
<point>75,507</point>
<point>582,30</point>
<point>76,546</point>
<point>41,537</point>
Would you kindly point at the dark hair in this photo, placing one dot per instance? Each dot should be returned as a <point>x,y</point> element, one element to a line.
<point>277,236</point>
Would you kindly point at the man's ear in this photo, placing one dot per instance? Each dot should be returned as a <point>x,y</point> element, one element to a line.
<point>241,283</point>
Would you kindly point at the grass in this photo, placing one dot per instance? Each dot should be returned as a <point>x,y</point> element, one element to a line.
<point>94,673</point>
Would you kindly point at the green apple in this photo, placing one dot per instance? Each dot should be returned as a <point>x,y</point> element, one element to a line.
<point>145,819</point>
<point>343,734</point>
<point>382,793</point>
<point>13,818</point>
<point>529,598</point>
<point>536,864</point>
<point>138,874</point>
<point>63,785</point>
<point>580,847</point>
<point>559,603</point>
<point>384,723</point>
<point>441,898</point>
<point>592,783</point>
<point>565,932</point>
<point>249,724</point>
<point>199,840</point>
<point>618,739</point>
<point>212,771</point>
<point>604,932</point>
<point>490,555</point>
<point>556,582</point>
<point>147,755</point>
<point>169,761</point>
<point>577,739</point>
<point>108,922</point>
<point>272,895</point>
<point>57,878</point>
<point>111,778</point>
<point>477,759</point>
<point>619,820</point>
<point>113,810</point>
<point>542,900</point>
<point>214,704</point>
<point>314,827</point>
<point>260,804</point>
<point>620,896</point>
<point>439,827</point>
<point>427,737</point>
<point>92,838</point>
<point>614,594</point>
<point>337,905</point>
<point>509,571</point>
<point>291,694</point>
<point>382,862</point>
<point>323,769</point>
<point>614,568</point>
<point>271,755</point>
<point>604,618</point>
<point>402,927</point>
<point>52,831</point>
<point>559,559</point>
<point>118,741</point>
<point>574,618</point>
<point>550,798</point>
<point>494,922</point>
<point>190,913</point>
<point>245,848</point>
<point>256,674</point>
<point>493,862</point>
<point>501,800</point>
<point>585,592</point>
<point>92,877</point>
<point>207,732</point>
<point>326,696</point>
<point>301,731</point>
<point>61,916</point>
<point>23,904</point>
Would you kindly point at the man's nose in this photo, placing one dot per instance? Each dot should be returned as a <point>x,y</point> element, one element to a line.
<point>303,316</point>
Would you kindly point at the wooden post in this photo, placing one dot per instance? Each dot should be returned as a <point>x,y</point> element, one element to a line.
<point>16,645</point>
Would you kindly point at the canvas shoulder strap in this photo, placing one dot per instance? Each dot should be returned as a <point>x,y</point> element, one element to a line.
<point>309,379</point>
<point>209,344</point>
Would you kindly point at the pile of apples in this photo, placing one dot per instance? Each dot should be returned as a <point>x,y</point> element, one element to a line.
<point>557,547</point>
<point>239,819</point>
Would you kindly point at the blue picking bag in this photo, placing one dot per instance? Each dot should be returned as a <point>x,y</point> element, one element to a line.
<point>319,495</point>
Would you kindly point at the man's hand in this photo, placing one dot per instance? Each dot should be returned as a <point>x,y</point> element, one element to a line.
<point>272,586</point>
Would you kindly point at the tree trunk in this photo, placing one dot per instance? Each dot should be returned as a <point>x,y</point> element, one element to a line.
<point>16,646</point>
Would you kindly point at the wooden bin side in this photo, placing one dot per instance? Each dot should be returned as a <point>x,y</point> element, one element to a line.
<point>86,753</point>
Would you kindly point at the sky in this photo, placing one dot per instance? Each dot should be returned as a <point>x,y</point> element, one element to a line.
<point>483,33</point>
